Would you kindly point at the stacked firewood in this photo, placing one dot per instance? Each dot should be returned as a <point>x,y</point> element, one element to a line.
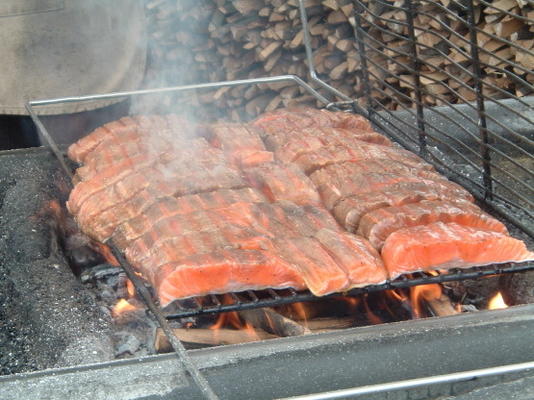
<point>505,36</point>
<point>195,41</point>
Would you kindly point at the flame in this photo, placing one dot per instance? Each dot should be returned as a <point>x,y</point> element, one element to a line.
<point>497,302</point>
<point>107,254</point>
<point>130,288</point>
<point>251,331</point>
<point>228,319</point>
<point>419,293</point>
<point>232,319</point>
<point>300,311</point>
<point>122,307</point>
<point>351,303</point>
<point>397,295</point>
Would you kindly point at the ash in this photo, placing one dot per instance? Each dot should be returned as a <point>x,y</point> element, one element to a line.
<point>47,317</point>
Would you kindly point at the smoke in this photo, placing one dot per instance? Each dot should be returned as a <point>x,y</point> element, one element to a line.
<point>174,30</point>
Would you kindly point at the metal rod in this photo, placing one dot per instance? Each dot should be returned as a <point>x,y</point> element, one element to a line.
<point>465,103</point>
<point>400,283</point>
<point>418,382</point>
<point>462,146</point>
<point>309,56</point>
<point>74,99</point>
<point>482,125</point>
<point>358,31</point>
<point>416,65</point>
<point>51,142</point>
<point>178,347</point>
<point>213,85</point>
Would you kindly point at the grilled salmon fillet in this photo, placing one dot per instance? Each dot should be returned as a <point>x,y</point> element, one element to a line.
<point>301,198</point>
<point>377,225</point>
<point>442,245</point>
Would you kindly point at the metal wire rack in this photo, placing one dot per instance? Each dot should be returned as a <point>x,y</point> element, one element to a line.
<point>490,157</point>
<point>214,304</point>
<point>486,144</point>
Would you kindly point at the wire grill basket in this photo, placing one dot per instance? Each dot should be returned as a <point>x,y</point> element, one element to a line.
<point>457,89</point>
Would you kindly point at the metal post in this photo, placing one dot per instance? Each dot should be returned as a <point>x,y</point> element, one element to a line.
<point>482,125</point>
<point>178,347</point>
<point>416,66</point>
<point>358,29</point>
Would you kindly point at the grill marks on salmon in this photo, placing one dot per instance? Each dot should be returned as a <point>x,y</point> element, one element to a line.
<point>349,210</point>
<point>241,143</point>
<point>197,157</point>
<point>334,185</point>
<point>272,220</point>
<point>156,251</point>
<point>115,134</point>
<point>108,132</point>
<point>283,182</point>
<point>357,257</point>
<point>448,245</point>
<point>207,210</point>
<point>290,120</point>
<point>320,272</point>
<point>289,145</point>
<point>339,153</point>
<point>379,224</point>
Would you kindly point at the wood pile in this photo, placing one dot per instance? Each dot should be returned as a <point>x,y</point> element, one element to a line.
<point>505,33</point>
<point>195,41</point>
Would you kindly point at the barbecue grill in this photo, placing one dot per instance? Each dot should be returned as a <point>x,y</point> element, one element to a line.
<point>471,143</point>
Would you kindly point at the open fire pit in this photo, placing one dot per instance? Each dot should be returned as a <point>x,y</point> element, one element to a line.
<point>90,328</point>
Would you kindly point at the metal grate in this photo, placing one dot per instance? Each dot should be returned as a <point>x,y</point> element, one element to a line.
<point>214,304</point>
<point>481,133</point>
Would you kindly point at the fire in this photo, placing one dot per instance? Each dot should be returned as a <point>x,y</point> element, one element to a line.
<point>122,307</point>
<point>396,294</point>
<point>107,254</point>
<point>130,288</point>
<point>232,320</point>
<point>299,309</point>
<point>227,319</point>
<point>419,293</point>
<point>497,302</point>
<point>352,301</point>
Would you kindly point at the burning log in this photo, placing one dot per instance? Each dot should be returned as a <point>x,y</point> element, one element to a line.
<point>270,321</point>
<point>221,336</point>
<point>433,295</point>
<point>329,324</point>
<point>442,306</point>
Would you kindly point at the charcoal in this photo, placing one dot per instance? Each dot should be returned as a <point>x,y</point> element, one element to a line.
<point>128,344</point>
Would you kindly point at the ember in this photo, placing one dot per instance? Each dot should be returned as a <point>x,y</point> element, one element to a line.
<point>122,306</point>
<point>105,251</point>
